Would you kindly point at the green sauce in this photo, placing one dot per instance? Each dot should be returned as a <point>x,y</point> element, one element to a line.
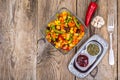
<point>93,49</point>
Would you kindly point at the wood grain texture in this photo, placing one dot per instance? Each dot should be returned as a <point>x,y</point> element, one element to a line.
<point>5,47</point>
<point>23,57</point>
<point>118,38</point>
<point>18,39</point>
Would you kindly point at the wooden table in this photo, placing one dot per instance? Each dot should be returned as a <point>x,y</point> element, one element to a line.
<point>23,57</point>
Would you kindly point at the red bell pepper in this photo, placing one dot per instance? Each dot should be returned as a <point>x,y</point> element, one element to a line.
<point>60,37</point>
<point>65,47</point>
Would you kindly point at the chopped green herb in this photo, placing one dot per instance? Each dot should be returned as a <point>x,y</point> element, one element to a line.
<point>76,22</point>
<point>93,49</point>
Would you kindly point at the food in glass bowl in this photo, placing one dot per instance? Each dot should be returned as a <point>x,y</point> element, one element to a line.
<point>65,31</point>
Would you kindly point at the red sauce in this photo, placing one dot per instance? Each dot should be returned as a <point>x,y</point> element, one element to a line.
<point>82,60</point>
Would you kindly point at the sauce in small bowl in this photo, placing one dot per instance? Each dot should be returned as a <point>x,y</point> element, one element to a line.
<point>93,48</point>
<point>81,61</point>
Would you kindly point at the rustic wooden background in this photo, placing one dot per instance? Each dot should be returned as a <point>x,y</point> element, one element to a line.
<point>23,57</point>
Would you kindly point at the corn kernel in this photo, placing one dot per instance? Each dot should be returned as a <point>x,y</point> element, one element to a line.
<point>49,25</point>
<point>52,30</point>
<point>58,27</point>
<point>58,44</point>
<point>71,31</point>
<point>76,34</point>
<point>71,45</point>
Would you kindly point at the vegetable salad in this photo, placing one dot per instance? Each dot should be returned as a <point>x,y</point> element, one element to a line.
<point>65,31</point>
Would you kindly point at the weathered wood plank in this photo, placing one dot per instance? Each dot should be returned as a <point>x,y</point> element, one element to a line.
<point>5,45</point>
<point>18,39</point>
<point>118,38</point>
<point>24,27</point>
<point>53,65</point>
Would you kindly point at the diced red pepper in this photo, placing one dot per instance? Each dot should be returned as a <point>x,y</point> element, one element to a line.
<point>60,37</point>
<point>65,47</point>
<point>82,28</point>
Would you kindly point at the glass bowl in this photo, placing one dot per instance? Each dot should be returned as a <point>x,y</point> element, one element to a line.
<point>43,29</point>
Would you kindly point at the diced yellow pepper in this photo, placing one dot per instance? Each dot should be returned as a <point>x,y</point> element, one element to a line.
<point>52,30</point>
<point>64,17</point>
<point>64,12</point>
<point>67,36</point>
<point>63,30</point>
<point>76,34</point>
<point>57,22</point>
<point>80,37</point>
<point>58,44</point>
<point>71,45</point>
<point>71,30</point>
<point>57,27</point>
<point>49,25</point>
